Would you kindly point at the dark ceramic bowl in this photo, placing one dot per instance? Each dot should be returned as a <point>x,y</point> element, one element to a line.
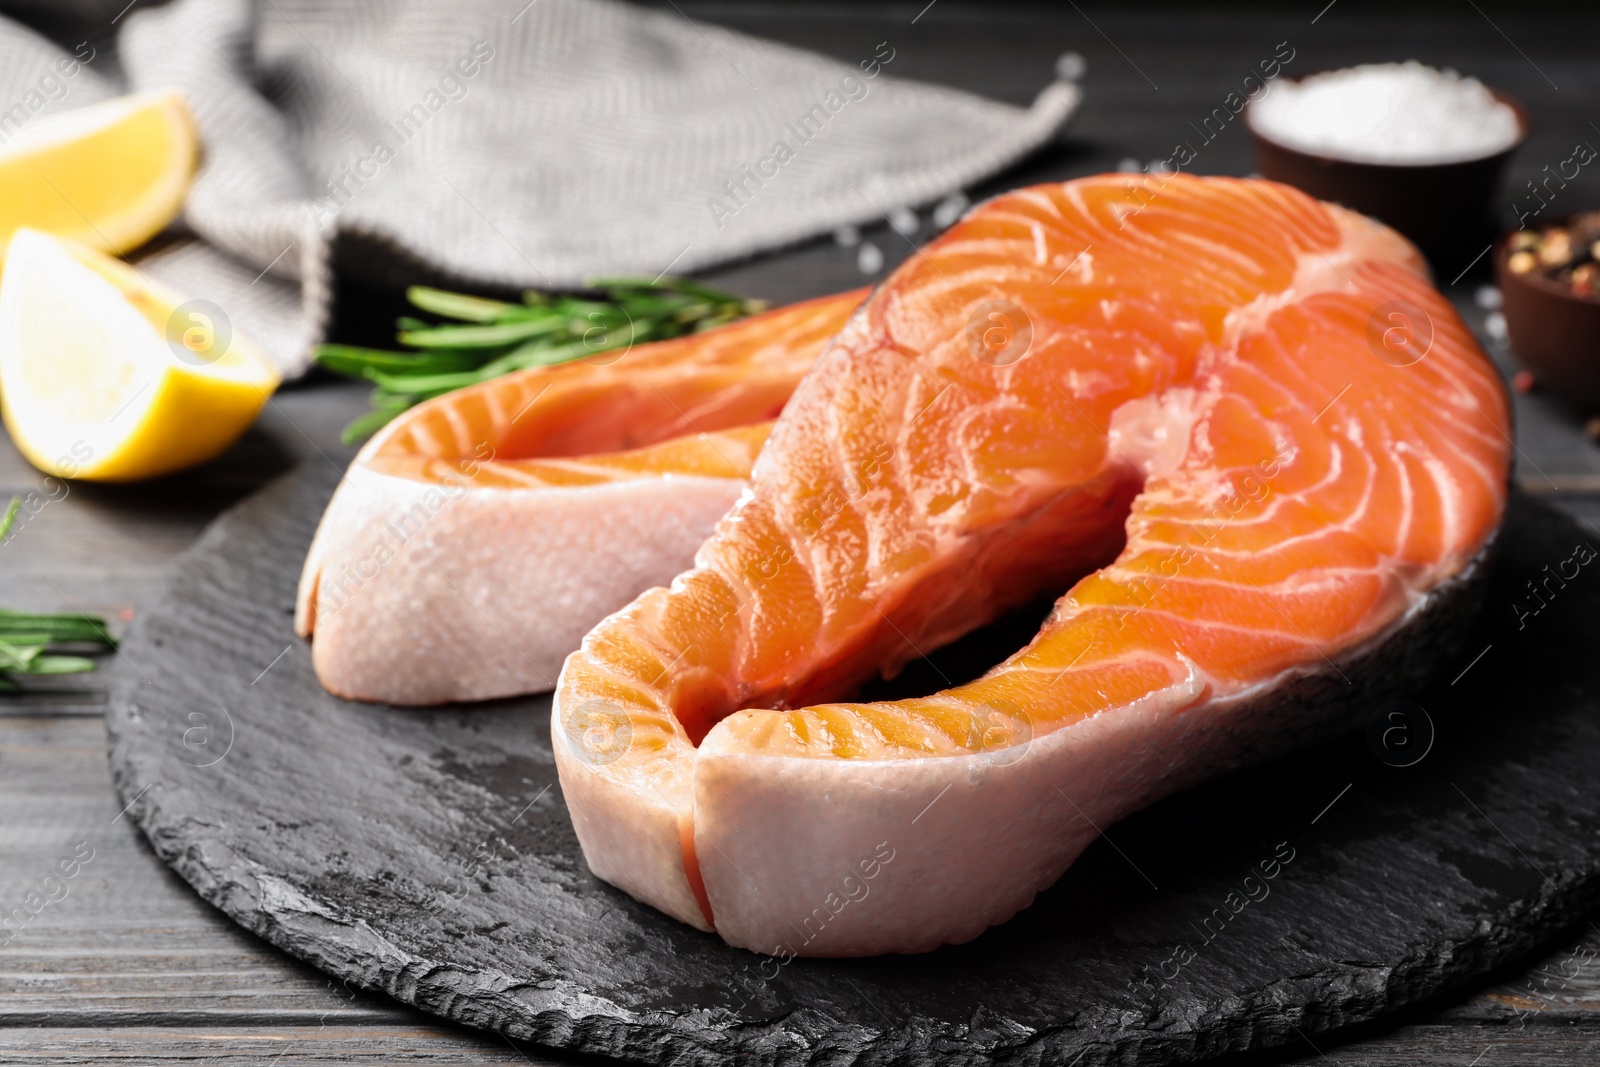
<point>1554,333</point>
<point>1443,207</point>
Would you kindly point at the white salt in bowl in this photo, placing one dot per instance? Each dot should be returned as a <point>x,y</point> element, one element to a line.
<point>1421,150</point>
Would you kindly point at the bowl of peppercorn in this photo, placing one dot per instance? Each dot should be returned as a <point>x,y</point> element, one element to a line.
<point>1549,280</point>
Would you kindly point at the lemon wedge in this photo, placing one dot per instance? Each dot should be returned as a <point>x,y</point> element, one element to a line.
<point>107,376</point>
<point>109,175</point>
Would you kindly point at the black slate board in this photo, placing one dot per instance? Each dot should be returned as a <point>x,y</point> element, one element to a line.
<point>428,853</point>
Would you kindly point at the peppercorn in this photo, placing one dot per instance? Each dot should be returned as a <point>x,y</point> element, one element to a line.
<point>1556,251</point>
<point>1567,254</point>
<point>1584,279</point>
<point>1523,240</point>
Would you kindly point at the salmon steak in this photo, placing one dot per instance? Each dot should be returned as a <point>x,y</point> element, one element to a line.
<point>1259,452</point>
<point>478,536</point>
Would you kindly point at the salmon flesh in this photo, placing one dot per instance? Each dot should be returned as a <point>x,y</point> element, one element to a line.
<point>1258,450</point>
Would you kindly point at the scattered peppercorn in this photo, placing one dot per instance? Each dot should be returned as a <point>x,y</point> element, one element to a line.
<point>1523,381</point>
<point>1591,429</point>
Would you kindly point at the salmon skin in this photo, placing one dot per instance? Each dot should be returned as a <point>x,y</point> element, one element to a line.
<point>477,537</point>
<point>1261,453</point>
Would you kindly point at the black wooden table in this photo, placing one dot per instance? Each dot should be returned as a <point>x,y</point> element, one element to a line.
<point>131,966</point>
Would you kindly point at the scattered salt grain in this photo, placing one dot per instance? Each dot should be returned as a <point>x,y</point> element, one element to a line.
<point>950,209</point>
<point>1128,166</point>
<point>847,236</point>
<point>1387,113</point>
<point>904,221</point>
<point>1494,324</point>
<point>1071,67</point>
<point>1487,297</point>
<point>869,260</point>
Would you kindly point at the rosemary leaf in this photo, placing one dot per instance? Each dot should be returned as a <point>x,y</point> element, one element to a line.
<point>25,638</point>
<point>457,305</point>
<point>484,338</point>
<point>423,385</point>
<point>680,285</point>
<point>50,664</point>
<point>355,362</point>
<point>18,658</point>
<point>21,628</point>
<point>611,340</point>
<point>382,411</point>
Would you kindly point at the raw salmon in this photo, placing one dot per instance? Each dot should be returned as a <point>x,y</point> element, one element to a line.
<point>1262,451</point>
<point>478,537</point>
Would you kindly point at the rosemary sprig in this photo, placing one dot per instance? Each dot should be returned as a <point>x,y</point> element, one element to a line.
<point>488,338</point>
<point>26,639</point>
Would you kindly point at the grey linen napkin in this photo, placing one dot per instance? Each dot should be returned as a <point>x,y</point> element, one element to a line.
<point>504,143</point>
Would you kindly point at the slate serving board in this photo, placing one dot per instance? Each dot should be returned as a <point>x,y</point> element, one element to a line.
<point>428,853</point>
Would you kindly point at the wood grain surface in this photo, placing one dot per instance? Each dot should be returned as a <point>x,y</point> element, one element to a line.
<point>132,967</point>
